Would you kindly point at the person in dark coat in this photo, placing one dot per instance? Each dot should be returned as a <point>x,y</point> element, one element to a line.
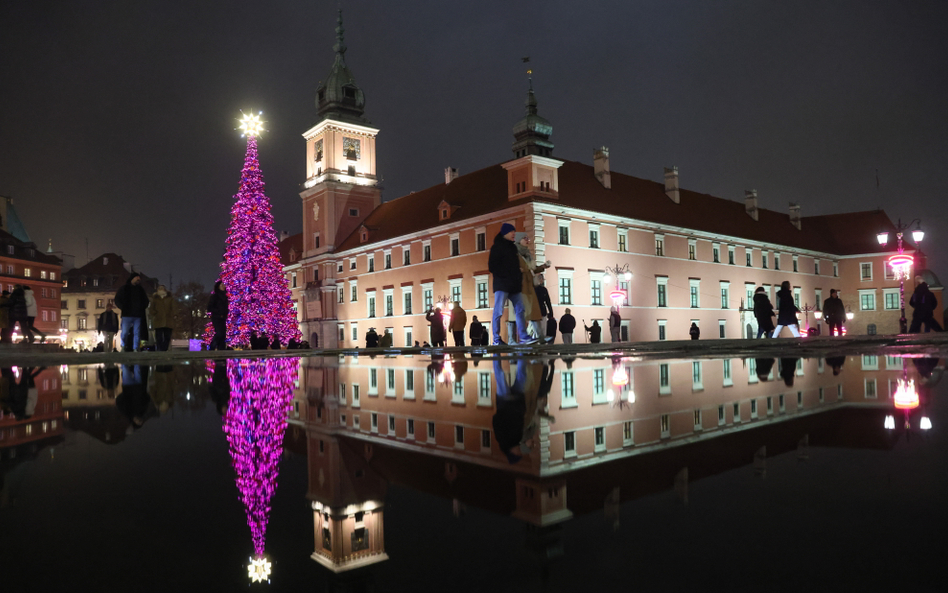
<point>134,400</point>
<point>567,325</point>
<point>108,324</point>
<point>788,368</point>
<point>786,311</point>
<point>436,319</point>
<point>371,338</point>
<point>924,304</point>
<point>109,378</point>
<point>546,305</point>
<point>476,332</point>
<point>275,344</point>
<point>764,312</point>
<point>550,329</point>
<point>132,301</point>
<point>836,363</point>
<point>595,332</point>
<point>218,308</point>
<point>18,313</point>
<point>694,331</point>
<point>162,317</point>
<point>504,264</point>
<point>615,324</point>
<point>834,313</point>
<point>764,366</point>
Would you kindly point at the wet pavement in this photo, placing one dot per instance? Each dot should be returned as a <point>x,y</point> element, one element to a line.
<point>770,464</point>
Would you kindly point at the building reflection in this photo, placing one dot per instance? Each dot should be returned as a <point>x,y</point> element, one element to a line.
<point>581,436</point>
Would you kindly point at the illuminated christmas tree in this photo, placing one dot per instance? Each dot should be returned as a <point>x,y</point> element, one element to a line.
<point>255,425</point>
<point>258,291</point>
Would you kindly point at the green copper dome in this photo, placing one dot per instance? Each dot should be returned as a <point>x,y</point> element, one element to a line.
<point>339,97</point>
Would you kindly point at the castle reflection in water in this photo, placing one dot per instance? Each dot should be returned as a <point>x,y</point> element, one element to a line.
<point>541,440</point>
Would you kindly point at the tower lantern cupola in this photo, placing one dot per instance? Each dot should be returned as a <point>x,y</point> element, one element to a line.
<point>532,133</point>
<point>339,97</point>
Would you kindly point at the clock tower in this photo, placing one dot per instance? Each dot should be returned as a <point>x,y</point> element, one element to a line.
<point>341,186</point>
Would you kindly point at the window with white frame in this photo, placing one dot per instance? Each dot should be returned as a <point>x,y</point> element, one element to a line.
<point>730,254</point>
<point>373,381</point>
<point>567,389</point>
<point>406,255</point>
<point>816,267</point>
<point>697,417</point>
<point>569,444</point>
<point>749,255</point>
<point>763,259</point>
<point>870,362</point>
<point>796,264</point>
<point>664,379</point>
<point>722,332</point>
<point>356,396</point>
<point>595,288</point>
<point>564,231</point>
<point>694,284</point>
<point>387,258</point>
<point>865,271</point>
<point>716,253</point>
<point>627,439</point>
<point>728,381</point>
<point>599,436</point>
<point>891,299</point>
<point>623,238</point>
<point>341,333</point>
<point>455,244</point>
<point>751,370</point>
<point>408,336</point>
<point>565,282</point>
<point>341,294</point>
<point>355,333</point>
<point>696,376</point>
<point>725,294</point>
<point>835,269</point>
<point>409,391</point>
<point>870,389</point>
<point>352,264</point>
<point>867,300</point>
<point>426,250</point>
<point>455,286</point>
<point>661,283</point>
<point>370,302</point>
<point>599,386</point>
<point>427,293</point>
<point>389,301</point>
<point>818,294</point>
<point>353,290</point>
<point>406,300</point>
<point>390,382</point>
<point>483,296</point>
<point>776,260</point>
<point>659,244</point>
<point>665,424</point>
<point>594,236</point>
<point>796,296</point>
<point>480,239</point>
<point>484,389</point>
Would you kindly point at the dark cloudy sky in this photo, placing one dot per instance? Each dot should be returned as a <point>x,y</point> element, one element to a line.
<point>117,118</point>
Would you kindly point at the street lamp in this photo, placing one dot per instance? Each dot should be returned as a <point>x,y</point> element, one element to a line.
<point>807,309</point>
<point>617,271</point>
<point>901,262</point>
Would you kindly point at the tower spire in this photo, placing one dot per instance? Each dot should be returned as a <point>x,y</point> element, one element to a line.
<point>532,133</point>
<point>340,46</point>
<point>339,97</point>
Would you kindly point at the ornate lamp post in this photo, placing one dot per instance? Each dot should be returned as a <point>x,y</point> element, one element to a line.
<point>901,262</point>
<point>807,309</point>
<point>617,272</point>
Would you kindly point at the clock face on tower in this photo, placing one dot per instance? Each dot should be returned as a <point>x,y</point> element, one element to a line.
<point>352,148</point>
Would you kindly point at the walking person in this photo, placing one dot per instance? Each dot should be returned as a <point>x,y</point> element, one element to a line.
<point>550,329</point>
<point>18,313</point>
<point>546,307</point>
<point>108,325</point>
<point>694,331</point>
<point>436,319</point>
<point>924,304</point>
<point>476,332</point>
<point>31,313</point>
<point>786,311</point>
<point>567,325</point>
<point>132,301</point>
<point>162,317</point>
<point>834,313</point>
<point>504,265</point>
<point>532,311</point>
<point>218,307</point>
<point>458,323</point>
<point>595,332</point>
<point>615,324</point>
<point>764,312</point>
<point>5,326</point>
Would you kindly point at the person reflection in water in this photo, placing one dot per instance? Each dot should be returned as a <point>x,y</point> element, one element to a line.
<point>764,367</point>
<point>220,386</point>
<point>788,366</point>
<point>520,405</point>
<point>19,397</point>
<point>134,401</point>
<point>836,363</point>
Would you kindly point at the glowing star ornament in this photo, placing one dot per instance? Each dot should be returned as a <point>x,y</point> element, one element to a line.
<point>251,125</point>
<point>259,570</point>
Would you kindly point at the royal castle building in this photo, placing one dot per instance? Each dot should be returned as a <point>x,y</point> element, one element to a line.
<point>692,257</point>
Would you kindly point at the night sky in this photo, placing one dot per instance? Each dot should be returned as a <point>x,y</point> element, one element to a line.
<point>117,118</point>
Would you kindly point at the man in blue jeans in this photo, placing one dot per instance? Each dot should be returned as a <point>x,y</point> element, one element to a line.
<point>132,301</point>
<point>504,265</point>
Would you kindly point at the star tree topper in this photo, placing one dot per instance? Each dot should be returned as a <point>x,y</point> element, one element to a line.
<point>251,124</point>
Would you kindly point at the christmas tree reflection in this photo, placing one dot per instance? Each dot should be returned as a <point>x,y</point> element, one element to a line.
<point>255,423</point>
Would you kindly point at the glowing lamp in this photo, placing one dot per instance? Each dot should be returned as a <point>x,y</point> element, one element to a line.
<point>607,278</point>
<point>631,397</point>
<point>850,315</point>
<point>628,276</point>
<point>620,377</point>
<point>610,395</point>
<point>617,295</point>
<point>818,314</point>
<point>905,398</point>
<point>901,265</point>
<point>918,235</point>
<point>889,423</point>
<point>925,423</point>
<point>882,238</point>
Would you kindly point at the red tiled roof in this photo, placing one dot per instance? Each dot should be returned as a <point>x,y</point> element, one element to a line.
<point>293,242</point>
<point>106,267</point>
<point>485,191</point>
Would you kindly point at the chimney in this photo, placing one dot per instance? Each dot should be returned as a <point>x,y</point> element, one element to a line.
<point>795,215</point>
<point>450,174</point>
<point>283,235</point>
<point>750,203</point>
<point>127,266</point>
<point>671,184</point>
<point>105,261</point>
<point>601,167</point>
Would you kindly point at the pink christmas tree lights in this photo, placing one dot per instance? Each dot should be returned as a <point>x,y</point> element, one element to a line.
<point>260,299</point>
<point>255,425</point>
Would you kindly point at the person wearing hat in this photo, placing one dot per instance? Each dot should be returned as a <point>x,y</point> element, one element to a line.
<point>504,265</point>
<point>371,338</point>
<point>132,301</point>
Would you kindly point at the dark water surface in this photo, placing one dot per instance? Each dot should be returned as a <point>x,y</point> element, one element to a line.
<point>475,474</point>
